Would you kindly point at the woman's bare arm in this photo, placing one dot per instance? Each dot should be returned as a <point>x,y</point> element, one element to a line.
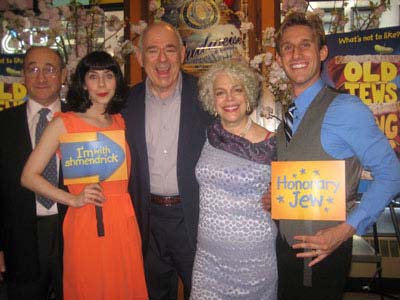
<point>32,179</point>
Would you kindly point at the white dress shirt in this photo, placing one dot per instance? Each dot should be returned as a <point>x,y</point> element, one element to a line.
<point>32,110</point>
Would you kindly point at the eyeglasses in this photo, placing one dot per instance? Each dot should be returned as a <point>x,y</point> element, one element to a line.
<point>47,71</point>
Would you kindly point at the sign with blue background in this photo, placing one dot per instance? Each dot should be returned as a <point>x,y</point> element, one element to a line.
<point>93,157</point>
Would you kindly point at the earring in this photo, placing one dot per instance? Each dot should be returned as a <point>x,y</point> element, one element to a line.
<point>248,109</point>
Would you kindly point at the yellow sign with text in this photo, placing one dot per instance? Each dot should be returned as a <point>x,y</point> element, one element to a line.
<point>11,94</point>
<point>308,190</point>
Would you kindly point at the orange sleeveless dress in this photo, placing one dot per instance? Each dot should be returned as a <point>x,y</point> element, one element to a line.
<point>109,267</point>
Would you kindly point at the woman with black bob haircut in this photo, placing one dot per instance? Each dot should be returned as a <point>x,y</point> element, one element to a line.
<point>78,97</point>
<point>102,244</point>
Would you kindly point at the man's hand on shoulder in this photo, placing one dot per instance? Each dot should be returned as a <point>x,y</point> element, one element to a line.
<point>324,242</point>
<point>266,200</point>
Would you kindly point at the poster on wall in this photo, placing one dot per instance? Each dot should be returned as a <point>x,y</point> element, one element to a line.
<point>12,90</point>
<point>210,30</point>
<point>367,64</point>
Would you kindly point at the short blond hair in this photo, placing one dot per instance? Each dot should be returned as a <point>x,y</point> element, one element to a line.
<point>313,21</point>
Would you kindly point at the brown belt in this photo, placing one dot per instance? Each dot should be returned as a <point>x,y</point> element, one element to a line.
<point>165,200</point>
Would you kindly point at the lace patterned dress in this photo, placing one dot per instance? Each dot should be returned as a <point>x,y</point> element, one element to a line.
<point>235,256</point>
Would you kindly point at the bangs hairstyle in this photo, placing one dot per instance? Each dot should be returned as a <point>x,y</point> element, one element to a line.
<point>78,96</point>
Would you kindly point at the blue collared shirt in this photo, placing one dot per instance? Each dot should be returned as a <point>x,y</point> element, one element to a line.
<point>349,129</point>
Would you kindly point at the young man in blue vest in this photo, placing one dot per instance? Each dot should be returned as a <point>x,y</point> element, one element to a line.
<point>314,257</point>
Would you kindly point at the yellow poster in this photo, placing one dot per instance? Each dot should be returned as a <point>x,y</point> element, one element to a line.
<point>12,93</point>
<point>92,157</point>
<point>308,190</point>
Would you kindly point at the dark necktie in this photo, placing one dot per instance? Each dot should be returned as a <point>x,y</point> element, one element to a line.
<point>288,121</point>
<point>50,172</point>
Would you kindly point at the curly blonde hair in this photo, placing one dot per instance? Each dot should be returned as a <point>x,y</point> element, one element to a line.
<point>239,71</point>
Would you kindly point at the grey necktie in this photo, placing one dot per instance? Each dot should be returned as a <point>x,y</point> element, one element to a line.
<point>50,172</point>
<point>288,122</point>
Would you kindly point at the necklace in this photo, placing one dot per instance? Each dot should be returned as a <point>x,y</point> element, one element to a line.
<point>247,128</point>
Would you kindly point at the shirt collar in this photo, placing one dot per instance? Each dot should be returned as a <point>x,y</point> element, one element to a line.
<point>177,92</point>
<point>304,100</point>
<point>33,108</point>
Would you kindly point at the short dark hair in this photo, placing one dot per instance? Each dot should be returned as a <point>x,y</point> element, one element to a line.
<point>155,24</point>
<point>313,21</point>
<point>56,52</point>
<point>78,97</point>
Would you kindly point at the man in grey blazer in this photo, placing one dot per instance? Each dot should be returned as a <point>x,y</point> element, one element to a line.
<point>30,233</point>
<point>165,129</point>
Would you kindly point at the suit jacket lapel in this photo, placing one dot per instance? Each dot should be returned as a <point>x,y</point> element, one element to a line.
<point>184,134</point>
<point>188,121</point>
<point>22,130</point>
<point>140,115</point>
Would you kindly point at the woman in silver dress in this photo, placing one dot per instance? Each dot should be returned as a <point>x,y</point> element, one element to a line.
<point>235,256</point>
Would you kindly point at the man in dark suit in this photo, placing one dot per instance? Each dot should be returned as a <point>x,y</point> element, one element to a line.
<point>165,128</point>
<point>30,233</point>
